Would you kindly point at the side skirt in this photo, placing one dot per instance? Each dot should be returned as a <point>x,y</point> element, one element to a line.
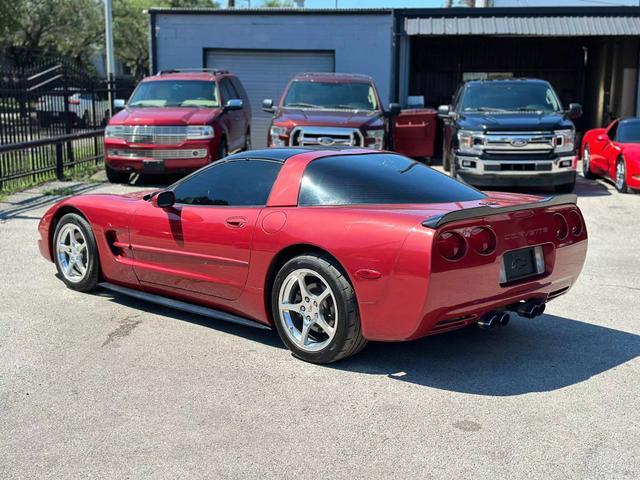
<point>184,306</point>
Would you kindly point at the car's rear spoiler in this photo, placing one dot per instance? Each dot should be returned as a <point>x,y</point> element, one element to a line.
<point>465,213</point>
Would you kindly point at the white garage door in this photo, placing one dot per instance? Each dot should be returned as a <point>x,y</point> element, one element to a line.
<point>264,74</point>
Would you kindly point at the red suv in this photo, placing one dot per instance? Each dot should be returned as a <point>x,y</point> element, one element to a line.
<point>178,121</point>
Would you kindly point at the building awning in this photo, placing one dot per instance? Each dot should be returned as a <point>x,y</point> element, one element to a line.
<point>533,26</point>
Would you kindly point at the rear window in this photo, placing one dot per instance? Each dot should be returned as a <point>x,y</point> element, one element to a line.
<point>380,178</point>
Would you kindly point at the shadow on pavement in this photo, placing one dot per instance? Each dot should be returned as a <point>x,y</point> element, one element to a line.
<point>539,355</point>
<point>17,208</point>
<point>265,337</point>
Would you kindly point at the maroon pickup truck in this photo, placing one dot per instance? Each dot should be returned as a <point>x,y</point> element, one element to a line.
<point>337,109</point>
<point>178,121</point>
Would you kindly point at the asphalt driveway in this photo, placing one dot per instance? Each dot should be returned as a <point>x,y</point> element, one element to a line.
<point>101,386</point>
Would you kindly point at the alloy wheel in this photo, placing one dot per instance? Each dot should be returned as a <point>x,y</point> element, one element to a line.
<point>308,310</point>
<point>620,175</point>
<point>72,253</point>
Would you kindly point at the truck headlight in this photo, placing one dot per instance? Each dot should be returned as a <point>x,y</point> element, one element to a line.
<point>565,140</point>
<point>275,132</point>
<point>199,132</point>
<point>114,131</point>
<point>375,139</point>
<point>469,142</point>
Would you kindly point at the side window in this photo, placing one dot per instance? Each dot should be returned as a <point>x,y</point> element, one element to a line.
<point>613,130</point>
<point>239,88</point>
<point>228,92</point>
<point>233,183</point>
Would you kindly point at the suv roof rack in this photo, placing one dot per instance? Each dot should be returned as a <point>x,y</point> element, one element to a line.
<point>215,71</point>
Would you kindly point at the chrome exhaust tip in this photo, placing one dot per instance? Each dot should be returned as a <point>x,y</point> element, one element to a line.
<point>504,319</point>
<point>530,309</point>
<point>489,321</point>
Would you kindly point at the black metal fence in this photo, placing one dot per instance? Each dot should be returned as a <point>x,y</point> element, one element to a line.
<point>48,107</point>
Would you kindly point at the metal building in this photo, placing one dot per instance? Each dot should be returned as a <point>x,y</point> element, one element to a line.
<point>589,54</point>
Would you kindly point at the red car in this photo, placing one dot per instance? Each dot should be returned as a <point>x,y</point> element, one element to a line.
<point>330,247</point>
<point>344,109</point>
<point>614,152</point>
<point>178,121</point>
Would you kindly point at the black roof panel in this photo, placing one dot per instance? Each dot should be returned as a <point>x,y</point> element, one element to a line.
<point>277,154</point>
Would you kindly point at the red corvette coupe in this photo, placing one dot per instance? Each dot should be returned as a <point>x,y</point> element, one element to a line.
<point>614,152</point>
<point>330,247</point>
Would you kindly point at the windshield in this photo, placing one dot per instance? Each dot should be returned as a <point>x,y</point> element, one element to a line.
<point>349,96</point>
<point>175,93</point>
<point>483,97</point>
<point>629,132</point>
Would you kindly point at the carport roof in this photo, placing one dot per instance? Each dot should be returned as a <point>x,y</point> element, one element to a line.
<point>544,22</point>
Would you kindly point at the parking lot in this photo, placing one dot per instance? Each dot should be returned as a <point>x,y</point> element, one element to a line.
<point>101,386</point>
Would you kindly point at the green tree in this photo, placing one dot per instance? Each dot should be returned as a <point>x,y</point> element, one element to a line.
<point>277,4</point>
<point>131,29</point>
<point>32,27</point>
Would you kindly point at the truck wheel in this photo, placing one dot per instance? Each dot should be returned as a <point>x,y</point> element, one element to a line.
<point>621,176</point>
<point>586,164</point>
<point>315,310</point>
<point>223,150</point>
<point>247,141</point>
<point>75,253</point>
<point>116,176</point>
<point>565,187</point>
<point>446,162</point>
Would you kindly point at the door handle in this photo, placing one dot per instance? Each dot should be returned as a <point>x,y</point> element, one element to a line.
<point>236,222</point>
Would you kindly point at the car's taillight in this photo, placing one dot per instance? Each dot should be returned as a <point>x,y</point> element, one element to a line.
<point>575,223</point>
<point>561,226</point>
<point>483,240</point>
<point>451,245</point>
<point>73,101</point>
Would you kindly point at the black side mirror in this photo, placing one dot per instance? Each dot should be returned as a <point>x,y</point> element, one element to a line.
<point>164,199</point>
<point>575,111</point>
<point>444,111</point>
<point>267,105</point>
<point>233,104</point>
<point>393,110</point>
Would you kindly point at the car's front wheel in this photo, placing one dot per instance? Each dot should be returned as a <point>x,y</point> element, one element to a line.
<point>116,176</point>
<point>75,253</point>
<point>621,176</point>
<point>315,310</point>
<point>586,164</point>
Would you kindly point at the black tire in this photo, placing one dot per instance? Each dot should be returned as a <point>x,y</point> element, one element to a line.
<point>247,141</point>
<point>347,339</point>
<point>117,176</point>
<point>223,149</point>
<point>586,164</point>
<point>621,182</point>
<point>446,161</point>
<point>565,187</point>
<point>88,256</point>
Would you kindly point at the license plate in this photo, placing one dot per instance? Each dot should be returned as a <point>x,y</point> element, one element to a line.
<point>153,166</point>
<point>523,263</point>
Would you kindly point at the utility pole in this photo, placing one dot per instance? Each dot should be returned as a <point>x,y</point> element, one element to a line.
<point>108,36</point>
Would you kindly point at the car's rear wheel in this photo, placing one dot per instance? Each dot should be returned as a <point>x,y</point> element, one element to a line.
<point>586,164</point>
<point>621,176</point>
<point>116,176</point>
<point>315,310</point>
<point>75,253</point>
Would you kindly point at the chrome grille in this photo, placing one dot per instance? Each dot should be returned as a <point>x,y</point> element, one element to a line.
<point>518,142</point>
<point>326,137</point>
<point>180,153</point>
<point>152,134</point>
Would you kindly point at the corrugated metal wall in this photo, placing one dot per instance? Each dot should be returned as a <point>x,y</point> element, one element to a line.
<point>261,80</point>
